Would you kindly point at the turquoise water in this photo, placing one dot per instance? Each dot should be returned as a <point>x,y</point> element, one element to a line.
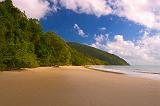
<point>152,72</point>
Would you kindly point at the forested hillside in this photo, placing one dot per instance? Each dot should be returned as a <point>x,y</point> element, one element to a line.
<point>24,44</point>
<point>108,58</point>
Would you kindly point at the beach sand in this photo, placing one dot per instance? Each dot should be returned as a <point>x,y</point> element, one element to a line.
<point>76,86</point>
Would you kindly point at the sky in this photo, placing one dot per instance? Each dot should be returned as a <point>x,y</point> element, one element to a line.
<point>127,28</point>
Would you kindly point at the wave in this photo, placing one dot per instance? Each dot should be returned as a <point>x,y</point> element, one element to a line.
<point>130,71</point>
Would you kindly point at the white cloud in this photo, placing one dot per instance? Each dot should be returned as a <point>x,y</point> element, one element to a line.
<point>79,31</point>
<point>145,51</point>
<point>94,7</point>
<point>100,41</point>
<point>103,29</point>
<point>144,12</point>
<point>33,8</point>
<point>55,6</point>
<point>39,8</point>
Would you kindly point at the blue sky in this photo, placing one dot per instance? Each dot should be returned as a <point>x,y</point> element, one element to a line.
<point>63,22</point>
<point>127,28</point>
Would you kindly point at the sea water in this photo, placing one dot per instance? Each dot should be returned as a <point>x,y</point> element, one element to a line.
<point>152,72</point>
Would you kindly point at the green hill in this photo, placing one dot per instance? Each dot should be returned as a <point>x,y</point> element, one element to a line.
<point>24,44</point>
<point>107,58</point>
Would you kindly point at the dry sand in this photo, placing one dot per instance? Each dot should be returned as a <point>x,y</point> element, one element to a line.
<point>76,86</point>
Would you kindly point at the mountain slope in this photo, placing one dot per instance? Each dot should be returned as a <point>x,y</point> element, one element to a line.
<point>108,58</point>
<point>78,58</point>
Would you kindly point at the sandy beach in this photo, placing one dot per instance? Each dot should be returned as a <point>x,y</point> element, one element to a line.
<point>76,86</point>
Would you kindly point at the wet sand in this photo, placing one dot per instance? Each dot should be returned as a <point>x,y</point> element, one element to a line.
<point>76,86</point>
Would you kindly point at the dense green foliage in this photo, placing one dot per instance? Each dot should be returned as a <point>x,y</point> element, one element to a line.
<point>107,58</point>
<point>16,49</point>
<point>52,50</point>
<point>24,44</point>
<point>78,58</point>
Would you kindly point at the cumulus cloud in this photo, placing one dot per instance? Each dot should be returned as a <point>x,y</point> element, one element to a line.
<point>95,7</point>
<point>144,51</point>
<point>39,8</point>
<point>55,6</point>
<point>79,31</point>
<point>144,12</point>
<point>100,41</point>
<point>33,8</point>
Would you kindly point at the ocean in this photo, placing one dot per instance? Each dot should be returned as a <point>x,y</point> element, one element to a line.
<point>152,72</point>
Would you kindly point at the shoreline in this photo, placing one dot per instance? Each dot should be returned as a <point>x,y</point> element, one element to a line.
<point>105,71</point>
<point>90,68</point>
<point>87,67</point>
<point>146,75</point>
